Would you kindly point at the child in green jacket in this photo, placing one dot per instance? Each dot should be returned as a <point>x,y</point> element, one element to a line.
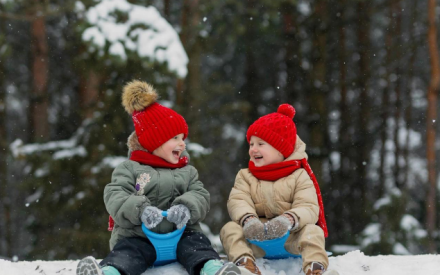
<point>157,177</point>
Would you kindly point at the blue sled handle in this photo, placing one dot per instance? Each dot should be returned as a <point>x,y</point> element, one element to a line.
<point>164,244</point>
<point>274,248</point>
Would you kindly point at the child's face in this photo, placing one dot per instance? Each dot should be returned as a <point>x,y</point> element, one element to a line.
<point>262,153</point>
<point>172,149</point>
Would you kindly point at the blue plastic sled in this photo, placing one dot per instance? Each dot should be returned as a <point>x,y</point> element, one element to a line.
<point>165,244</point>
<point>275,248</point>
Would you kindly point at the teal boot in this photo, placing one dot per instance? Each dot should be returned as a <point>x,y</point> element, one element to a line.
<point>89,266</point>
<point>216,267</point>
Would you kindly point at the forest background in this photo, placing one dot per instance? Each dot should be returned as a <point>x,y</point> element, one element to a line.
<point>362,75</point>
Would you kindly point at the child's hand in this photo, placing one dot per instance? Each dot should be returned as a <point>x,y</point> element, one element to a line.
<point>179,214</point>
<point>151,216</point>
<point>253,229</point>
<point>278,227</point>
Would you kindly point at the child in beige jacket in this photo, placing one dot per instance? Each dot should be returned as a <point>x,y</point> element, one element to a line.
<point>276,194</point>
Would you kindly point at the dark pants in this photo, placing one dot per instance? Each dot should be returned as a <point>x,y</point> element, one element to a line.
<point>132,256</point>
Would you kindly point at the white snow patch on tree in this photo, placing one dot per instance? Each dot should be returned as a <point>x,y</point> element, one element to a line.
<point>371,234</point>
<point>408,222</point>
<point>382,202</point>
<point>197,150</point>
<point>399,249</point>
<point>144,32</point>
<point>110,162</point>
<point>344,248</point>
<point>70,153</point>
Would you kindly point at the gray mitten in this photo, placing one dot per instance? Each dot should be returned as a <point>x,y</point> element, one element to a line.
<point>151,216</point>
<point>277,227</point>
<point>179,214</point>
<point>253,229</point>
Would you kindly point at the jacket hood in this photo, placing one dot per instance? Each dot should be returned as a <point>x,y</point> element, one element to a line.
<point>134,145</point>
<point>299,152</point>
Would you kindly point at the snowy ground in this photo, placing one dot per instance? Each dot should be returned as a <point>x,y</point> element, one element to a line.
<point>352,263</point>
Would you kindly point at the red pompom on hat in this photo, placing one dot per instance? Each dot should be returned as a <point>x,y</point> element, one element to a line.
<point>154,124</point>
<point>277,129</point>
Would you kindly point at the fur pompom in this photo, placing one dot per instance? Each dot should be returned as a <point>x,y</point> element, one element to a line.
<point>137,95</point>
<point>287,110</point>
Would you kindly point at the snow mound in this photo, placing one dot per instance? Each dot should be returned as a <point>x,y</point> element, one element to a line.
<point>352,263</point>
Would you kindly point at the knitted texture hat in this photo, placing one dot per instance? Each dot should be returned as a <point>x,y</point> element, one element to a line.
<point>277,129</point>
<point>154,124</point>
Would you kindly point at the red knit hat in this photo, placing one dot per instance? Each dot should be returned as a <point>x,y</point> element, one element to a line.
<point>154,124</point>
<point>277,129</point>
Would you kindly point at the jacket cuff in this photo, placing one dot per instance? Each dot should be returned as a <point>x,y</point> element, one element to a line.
<point>296,219</point>
<point>245,217</point>
<point>142,208</point>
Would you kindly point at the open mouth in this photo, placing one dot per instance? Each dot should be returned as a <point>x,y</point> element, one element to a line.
<point>176,153</point>
<point>258,157</point>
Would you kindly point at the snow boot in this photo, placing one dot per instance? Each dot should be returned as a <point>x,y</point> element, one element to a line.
<point>247,266</point>
<point>89,266</point>
<point>216,267</point>
<point>318,269</point>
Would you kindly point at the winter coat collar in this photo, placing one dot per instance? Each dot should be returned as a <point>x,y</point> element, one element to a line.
<point>299,152</point>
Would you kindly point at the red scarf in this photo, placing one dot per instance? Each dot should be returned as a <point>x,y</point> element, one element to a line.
<point>273,172</point>
<point>153,161</point>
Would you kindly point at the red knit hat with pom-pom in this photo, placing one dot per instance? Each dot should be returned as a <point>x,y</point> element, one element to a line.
<point>277,129</point>
<point>154,124</point>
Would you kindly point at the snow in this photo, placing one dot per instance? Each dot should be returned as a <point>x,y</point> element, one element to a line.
<point>66,149</point>
<point>233,132</point>
<point>399,249</point>
<point>371,234</point>
<point>408,222</point>
<point>79,7</point>
<point>304,8</point>
<point>344,248</point>
<point>18,149</point>
<point>144,32</point>
<point>197,150</point>
<point>69,153</point>
<point>60,149</point>
<point>382,202</point>
<point>352,263</point>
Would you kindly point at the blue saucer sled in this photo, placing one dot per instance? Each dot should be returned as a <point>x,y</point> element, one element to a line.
<point>165,244</point>
<point>275,248</point>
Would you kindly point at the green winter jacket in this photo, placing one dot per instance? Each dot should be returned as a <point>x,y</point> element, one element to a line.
<point>160,187</point>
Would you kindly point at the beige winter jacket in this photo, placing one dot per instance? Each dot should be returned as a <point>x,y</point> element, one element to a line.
<point>294,194</point>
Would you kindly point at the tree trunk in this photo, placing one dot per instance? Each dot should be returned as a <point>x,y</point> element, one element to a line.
<point>397,9</point>
<point>5,234</point>
<point>433,91</point>
<point>89,93</point>
<point>39,100</point>
<point>180,85</point>
<point>291,58</point>
<point>345,118</point>
<point>363,139</point>
<point>386,103</point>
<point>166,9</point>
<point>408,107</point>
<point>193,91</point>
<point>318,91</point>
